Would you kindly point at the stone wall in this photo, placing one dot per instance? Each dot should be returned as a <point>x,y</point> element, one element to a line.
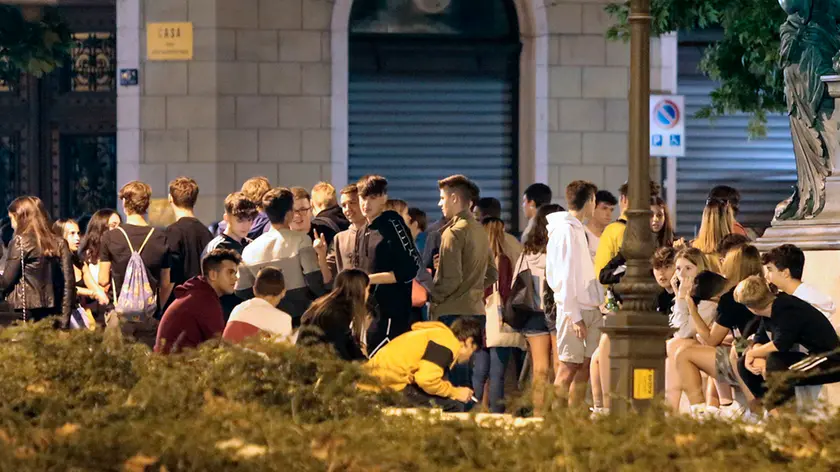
<point>255,100</point>
<point>589,83</point>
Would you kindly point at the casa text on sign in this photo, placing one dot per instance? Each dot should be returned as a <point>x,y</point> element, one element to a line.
<point>667,126</point>
<point>169,41</point>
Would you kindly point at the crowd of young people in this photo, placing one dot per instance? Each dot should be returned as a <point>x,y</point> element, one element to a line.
<point>439,310</point>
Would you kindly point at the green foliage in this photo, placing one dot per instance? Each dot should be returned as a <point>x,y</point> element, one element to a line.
<point>33,47</point>
<point>79,401</point>
<point>745,62</point>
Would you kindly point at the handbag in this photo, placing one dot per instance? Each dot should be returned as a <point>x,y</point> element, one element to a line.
<point>524,301</point>
<point>497,332</point>
<point>419,295</point>
<point>81,318</point>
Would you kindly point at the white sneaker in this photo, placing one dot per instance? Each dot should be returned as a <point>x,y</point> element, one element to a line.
<point>701,412</point>
<point>598,412</point>
<point>733,411</point>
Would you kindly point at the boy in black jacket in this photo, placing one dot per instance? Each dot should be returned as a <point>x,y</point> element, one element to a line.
<point>386,251</point>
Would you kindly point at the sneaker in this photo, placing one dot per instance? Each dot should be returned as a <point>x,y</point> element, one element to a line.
<point>733,411</point>
<point>598,412</point>
<point>701,412</point>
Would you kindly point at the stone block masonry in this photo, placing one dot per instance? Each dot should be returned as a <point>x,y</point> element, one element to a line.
<point>589,82</point>
<point>257,98</point>
<point>251,102</point>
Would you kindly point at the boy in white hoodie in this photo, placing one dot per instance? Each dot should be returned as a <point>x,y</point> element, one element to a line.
<point>570,272</point>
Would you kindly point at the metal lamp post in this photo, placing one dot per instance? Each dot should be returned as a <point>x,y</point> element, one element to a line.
<point>637,333</point>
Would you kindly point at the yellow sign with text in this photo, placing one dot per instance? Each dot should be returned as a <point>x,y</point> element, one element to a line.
<point>643,387</point>
<point>169,41</point>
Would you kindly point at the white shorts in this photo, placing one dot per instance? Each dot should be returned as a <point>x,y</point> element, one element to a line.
<point>570,348</point>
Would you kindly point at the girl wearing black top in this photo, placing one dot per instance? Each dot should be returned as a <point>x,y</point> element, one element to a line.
<point>714,357</point>
<point>38,280</point>
<point>340,317</point>
<point>68,230</point>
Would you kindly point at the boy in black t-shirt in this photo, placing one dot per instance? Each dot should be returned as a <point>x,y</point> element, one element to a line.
<point>663,271</point>
<point>239,215</point>
<point>115,253</point>
<point>792,322</point>
<point>187,237</point>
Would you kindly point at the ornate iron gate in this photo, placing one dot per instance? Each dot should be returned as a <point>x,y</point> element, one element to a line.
<point>58,133</point>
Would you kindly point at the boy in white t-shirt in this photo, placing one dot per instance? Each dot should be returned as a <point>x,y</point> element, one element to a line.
<point>260,315</point>
<point>783,268</point>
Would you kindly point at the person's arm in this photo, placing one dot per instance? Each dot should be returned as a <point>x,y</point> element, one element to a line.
<point>166,286</point>
<point>104,274</point>
<point>11,273</point>
<point>430,373</point>
<point>174,241</point>
<point>311,268</point>
<point>431,249</point>
<point>762,351</point>
<point>68,300</point>
<point>405,259</point>
<point>560,275</point>
<point>93,290</point>
<point>321,249</point>
<point>245,283</point>
<point>608,248</point>
<point>712,335</point>
<point>212,324</point>
<point>104,277</point>
<point>449,274</point>
<point>334,258</point>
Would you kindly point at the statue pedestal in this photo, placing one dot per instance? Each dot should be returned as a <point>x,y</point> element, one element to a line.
<point>819,237</point>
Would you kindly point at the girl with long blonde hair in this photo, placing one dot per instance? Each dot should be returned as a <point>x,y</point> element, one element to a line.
<point>718,221</point>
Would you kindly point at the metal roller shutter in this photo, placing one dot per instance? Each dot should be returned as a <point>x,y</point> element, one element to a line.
<point>719,152</point>
<point>419,113</point>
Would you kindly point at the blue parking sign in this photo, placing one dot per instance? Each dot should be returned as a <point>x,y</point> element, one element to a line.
<point>674,139</point>
<point>656,140</point>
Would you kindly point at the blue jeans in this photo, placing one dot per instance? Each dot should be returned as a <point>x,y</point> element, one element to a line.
<point>461,375</point>
<point>491,363</point>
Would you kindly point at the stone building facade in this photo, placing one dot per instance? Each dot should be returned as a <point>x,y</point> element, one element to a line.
<point>266,94</point>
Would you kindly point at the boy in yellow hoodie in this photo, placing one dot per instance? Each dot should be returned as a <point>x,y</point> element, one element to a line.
<point>417,363</point>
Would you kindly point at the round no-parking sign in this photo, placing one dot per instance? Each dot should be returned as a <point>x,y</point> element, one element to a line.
<point>667,127</point>
<point>667,114</point>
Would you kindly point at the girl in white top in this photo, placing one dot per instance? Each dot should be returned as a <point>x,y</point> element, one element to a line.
<point>689,262</point>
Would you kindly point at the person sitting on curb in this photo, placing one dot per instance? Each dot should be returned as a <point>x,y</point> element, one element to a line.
<point>196,314</point>
<point>792,322</point>
<point>260,315</point>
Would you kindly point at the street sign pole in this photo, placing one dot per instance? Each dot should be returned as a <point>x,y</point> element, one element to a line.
<point>637,333</point>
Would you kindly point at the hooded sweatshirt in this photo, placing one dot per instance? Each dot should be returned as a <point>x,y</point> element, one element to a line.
<point>194,317</point>
<point>570,271</point>
<point>421,356</point>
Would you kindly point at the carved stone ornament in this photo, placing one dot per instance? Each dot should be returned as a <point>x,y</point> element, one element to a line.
<point>809,45</point>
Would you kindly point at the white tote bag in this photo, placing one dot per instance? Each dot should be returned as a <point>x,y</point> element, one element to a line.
<point>499,334</point>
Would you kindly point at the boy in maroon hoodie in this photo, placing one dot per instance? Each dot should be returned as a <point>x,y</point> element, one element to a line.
<point>196,314</point>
